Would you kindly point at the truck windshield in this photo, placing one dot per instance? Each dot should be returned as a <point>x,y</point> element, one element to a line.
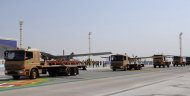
<point>117,58</point>
<point>14,55</point>
<point>177,58</point>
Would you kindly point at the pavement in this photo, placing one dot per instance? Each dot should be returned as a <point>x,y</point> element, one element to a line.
<point>173,81</point>
<point>175,86</point>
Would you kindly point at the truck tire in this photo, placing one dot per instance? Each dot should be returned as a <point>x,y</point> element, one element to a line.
<point>159,66</point>
<point>84,68</point>
<point>68,72</point>
<point>114,69</point>
<point>168,66</point>
<point>125,68</point>
<point>52,73</point>
<point>136,68</point>
<point>129,68</point>
<point>139,67</point>
<point>77,71</point>
<point>163,66</point>
<point>33,74</point>
<point>16,77</point>
<point>154,66</point>
<point>73,71</point>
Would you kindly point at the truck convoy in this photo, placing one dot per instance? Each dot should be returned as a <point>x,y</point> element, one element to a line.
<point>178,60</point>
<point>124,63</point>
<point>160,61</point>
<point>32,63</point>
<point>28,62</point>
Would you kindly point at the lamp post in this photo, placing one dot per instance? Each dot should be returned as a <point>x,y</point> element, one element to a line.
<point>21,23</point>
<point>89,34</point>
<point>180,43</point>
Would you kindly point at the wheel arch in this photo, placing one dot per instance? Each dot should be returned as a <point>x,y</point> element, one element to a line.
<point>34,68</point>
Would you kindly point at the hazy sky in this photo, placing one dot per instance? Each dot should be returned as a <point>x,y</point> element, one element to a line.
<point>139,27</point>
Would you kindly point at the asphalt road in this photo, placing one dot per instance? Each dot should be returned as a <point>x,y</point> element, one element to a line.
<point>171,81</point>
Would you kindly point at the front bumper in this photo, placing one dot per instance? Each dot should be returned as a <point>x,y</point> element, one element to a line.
<point>15,72</point>
<point>116,67</point>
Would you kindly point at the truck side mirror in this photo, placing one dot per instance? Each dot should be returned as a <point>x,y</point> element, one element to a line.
<point>5,55</point>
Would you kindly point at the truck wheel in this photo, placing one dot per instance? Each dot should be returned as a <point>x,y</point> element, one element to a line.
<point>124,69</point>
<point>84,68</point>
<point>129,68</point>
<point>159,66</point>
<point>16,77</point>
<point>68,72</point>
<point>168,66</point>
<point>33,74</point>
<point>154,66</point>
<point>77,71</point>
<point>114,69</point>
<point>140,67</point>
<point>52,73</point>
<point>163,66</point>
<point>73,72</point>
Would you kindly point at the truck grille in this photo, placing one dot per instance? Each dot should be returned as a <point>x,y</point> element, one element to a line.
<point>13,66</point>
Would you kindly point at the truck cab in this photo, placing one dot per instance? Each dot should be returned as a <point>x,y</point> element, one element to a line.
<point>187,60</point>
<point>178,60</point>
<point>119,62</point>
<point>160,60</point>
<point>22,62</point>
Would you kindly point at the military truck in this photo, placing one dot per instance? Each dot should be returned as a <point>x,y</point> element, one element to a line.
<point>178,60</point>
<point>28,62</point>
<point>160,61</point>
<point>187,60</point>
<point>123,62</point>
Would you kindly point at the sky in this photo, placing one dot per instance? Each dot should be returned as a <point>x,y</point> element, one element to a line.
<point>135,27</point>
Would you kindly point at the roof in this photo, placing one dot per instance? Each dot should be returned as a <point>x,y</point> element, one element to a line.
<point>7,39</point>
<point>32,49</point>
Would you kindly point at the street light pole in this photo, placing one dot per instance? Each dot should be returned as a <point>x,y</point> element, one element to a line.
<point>180,43</point>
<point>21,23</point>
<point>89,34</point>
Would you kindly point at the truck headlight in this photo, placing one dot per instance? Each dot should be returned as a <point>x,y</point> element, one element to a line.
<point>20,71</point>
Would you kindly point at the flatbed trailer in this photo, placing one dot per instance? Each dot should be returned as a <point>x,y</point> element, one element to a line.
<point>59,70</point>
<point>79,64</point>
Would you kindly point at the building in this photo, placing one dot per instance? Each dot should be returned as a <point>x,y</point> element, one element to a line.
<point>6,44</point>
